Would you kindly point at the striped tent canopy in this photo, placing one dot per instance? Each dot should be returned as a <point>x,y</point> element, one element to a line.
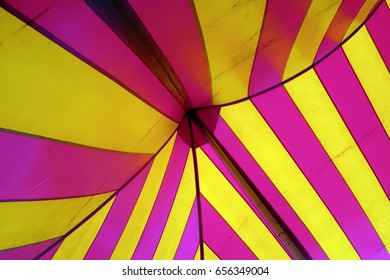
<point>204,129</point>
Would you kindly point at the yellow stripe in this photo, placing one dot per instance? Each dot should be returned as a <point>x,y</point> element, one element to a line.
<point>314,103</point>
<point>179,214</point>
<point>140,215</point>
<point>372,73</point>
<point>266,148</point>
<point>9,25</point>
<point>230,30</point>
<point>361,16</point>
<point>309,38</point>
<point>236,212</point>
<point>24,223</point>
<point>48,92</point>
<point>209,254</point>
<point>197,255</point>
<point>76,245</point>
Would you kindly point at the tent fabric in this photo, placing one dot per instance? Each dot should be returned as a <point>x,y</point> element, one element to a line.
<point>194,129</point>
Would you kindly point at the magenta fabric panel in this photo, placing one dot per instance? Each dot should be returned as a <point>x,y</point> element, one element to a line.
<point>378,26</point>
<point>283,19</point>
<point>292,130</point>
<point>89,38</point>
<point>173,25</point>
<point>27,252</point>
<point>189,242</point>
<point>163,203</point>
<point>339,26</point>
<point>116,220</point>
<point>221,238</point>
<point>36,168</point>
<point>243,158</point>
<point>381,254</point>
<point>49,254</point>
<point>353,105</point>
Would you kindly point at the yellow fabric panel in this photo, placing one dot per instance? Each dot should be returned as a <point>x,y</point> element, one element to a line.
<point>8,25</point>
<point>142,209</point>
<point>236,212</point>
<point>209,254</point>
<point>314,103</point>
<point>47,91</point>
<point>230,30</point>
<point>310,35</point>
<point>178,217</point>
<point>372,73</point>
<point>29,222</point>
<point>76,245</point>
<point>361,16</point>
<point>197,255</point>
<point>265,147</point>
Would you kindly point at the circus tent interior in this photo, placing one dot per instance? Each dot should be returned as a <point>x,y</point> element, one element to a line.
<point>194,130</point>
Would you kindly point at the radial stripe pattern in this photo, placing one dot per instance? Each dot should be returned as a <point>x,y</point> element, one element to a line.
<point>194,130</point>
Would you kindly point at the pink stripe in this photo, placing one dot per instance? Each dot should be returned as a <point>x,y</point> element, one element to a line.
<point>355,108</point>
<point>189,242</point>
<point>34,168</point>
<point>292,130</point>
<point>79,28</point>
<point>162,206</point>
<point>116,220</point>
<point>339,26</point>
<point>381,254</point>
<point>50,254</point>
<point>283,19</point>
<point>27,252</point>
<point>378,26</point>
<point>221,238</point>
<point>174,28</point>
<point>243,158</point>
